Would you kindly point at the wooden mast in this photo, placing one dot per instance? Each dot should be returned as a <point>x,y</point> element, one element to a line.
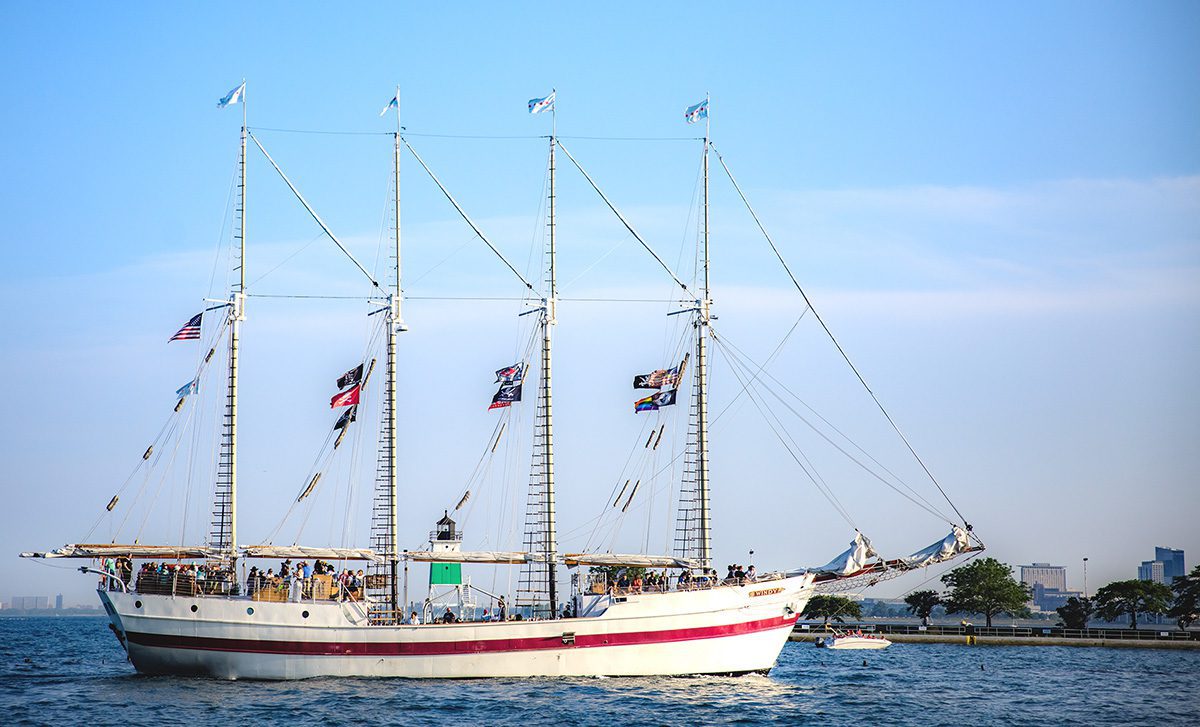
<point>702,322</point>
<point>226,529</point>
<point>395,325</point>
<point>549,319</point>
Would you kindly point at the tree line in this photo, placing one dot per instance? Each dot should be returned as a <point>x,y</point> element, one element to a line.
<point>986,587</point>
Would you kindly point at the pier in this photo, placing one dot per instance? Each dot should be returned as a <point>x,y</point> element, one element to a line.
<point>1014,635</point>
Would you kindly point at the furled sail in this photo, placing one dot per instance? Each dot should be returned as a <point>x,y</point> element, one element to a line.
<point>630,561</point>
<point>303,551</point>
<point>470,556</point>
<point>852,560</point>
<point>954,544</point>
<point>106,550</point>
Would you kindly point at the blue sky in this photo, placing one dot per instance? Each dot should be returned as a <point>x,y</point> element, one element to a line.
<point>997,210</point>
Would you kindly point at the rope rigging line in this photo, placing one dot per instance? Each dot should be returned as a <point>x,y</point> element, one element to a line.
<point>919,500</point>
<point>674,349</point>
<point>838,345</point>
<point>313,212</point>
<point>466,218</point>
<point>578,530</point>
<point>625,222</point>
<point>281,296</point>
<point>788,443</point>
<point>488,137</point>
<point>169,427</point>
<point>286,260</point>
<point>318,131</point>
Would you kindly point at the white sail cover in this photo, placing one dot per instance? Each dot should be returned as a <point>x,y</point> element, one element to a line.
<point>106,550</point>
<point>954,544</point>
<point>853,560</point>
<point>303,551</point>
<point>471,556</point>
<point>630,561</point>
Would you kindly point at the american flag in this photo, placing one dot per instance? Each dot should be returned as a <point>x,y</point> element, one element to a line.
<point>190,330</point>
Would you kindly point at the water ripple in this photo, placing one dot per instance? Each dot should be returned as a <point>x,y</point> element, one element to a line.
<point>66,671</point>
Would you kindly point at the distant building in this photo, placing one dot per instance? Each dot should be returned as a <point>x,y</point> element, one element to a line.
<point>1152,570</point>
<point>1053,577</point>
<point>29,603</point>
<point>1048,599</point>
<point>58,602</point>
<point>1172,561</point>
<point>1048,584</point>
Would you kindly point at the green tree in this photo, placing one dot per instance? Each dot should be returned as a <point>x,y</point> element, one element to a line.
<point>832,607</point>
<point>1075,613</point>
<point>921,603</point>
<point>985,586</point>
<point>1186,609</point>
<point>1132,597</point>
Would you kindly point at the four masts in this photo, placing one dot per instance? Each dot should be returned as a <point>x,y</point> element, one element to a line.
<point>540,579</point>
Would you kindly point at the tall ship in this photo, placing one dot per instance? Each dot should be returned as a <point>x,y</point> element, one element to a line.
<point>223,608</point>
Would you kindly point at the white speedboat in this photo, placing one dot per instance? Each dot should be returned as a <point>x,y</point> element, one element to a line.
<point>853,640</point>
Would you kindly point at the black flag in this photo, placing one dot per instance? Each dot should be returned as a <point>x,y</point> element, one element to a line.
<point>351,377</point>
<point>347,416</point>
<point>649,381</point>
<point>506,395</point>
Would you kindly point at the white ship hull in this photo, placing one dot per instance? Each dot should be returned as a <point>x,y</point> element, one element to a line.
<point>723,630</point>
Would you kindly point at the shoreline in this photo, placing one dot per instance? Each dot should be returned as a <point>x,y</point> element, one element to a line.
<point>965,640</point>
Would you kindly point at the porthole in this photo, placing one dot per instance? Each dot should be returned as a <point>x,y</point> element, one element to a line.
<point>304,614</point>
<point>250,611</point>
<point>137,604</point>
<point>194,609</point>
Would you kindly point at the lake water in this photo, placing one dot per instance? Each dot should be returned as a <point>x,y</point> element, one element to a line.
<point>72,671</point>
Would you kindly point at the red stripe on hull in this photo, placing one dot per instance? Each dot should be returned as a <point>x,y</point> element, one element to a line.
<point>434,648</point>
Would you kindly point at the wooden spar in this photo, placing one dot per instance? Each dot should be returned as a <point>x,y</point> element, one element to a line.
<point>308,490</point>
<point>631,494</point>
<point>367,377</point>
<point>660,433</point>
<point>621,493</point>
<point>498,435</point>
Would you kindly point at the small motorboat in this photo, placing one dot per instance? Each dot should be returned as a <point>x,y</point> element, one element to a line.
<point>852,640</point>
